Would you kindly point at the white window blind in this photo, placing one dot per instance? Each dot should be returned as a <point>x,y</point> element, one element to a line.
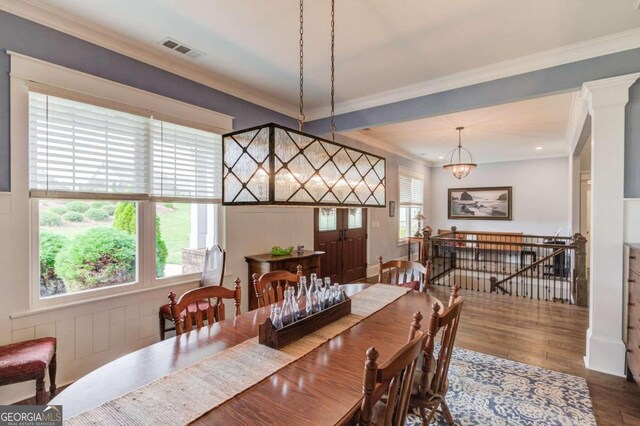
<point>85,149</point>
<point>411,191</point>
<point>187,163</point>
<point>80,150</point>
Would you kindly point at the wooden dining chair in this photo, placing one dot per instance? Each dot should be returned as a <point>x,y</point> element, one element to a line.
<point>386,388</point>
<point>432,384</point>
<point>188,311</point>
<point>212,274</point>
<point>30,360</point>
<point>404,273</point>
<point>270,286</point>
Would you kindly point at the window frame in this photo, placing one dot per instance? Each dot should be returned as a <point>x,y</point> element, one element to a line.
<point>25,222</point>
<point>412,174</point>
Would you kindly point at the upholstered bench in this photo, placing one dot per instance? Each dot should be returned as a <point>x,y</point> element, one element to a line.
<point>28,360</point>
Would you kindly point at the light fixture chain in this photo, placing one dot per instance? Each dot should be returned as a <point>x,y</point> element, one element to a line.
<point>333,71</point>
<point>301,114</point>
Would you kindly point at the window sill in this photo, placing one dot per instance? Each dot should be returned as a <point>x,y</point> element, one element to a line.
<point>48,307</point>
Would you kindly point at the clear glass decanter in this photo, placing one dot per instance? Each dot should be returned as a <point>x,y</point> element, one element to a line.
<point>303,299</point>
<point>287,309</point>
<point>277,318</point>
<point>314,294</point>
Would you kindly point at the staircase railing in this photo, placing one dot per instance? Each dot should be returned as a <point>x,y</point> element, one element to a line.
<point>534,266</point>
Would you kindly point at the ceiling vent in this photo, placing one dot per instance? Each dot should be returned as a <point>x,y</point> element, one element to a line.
<point>183,49</point>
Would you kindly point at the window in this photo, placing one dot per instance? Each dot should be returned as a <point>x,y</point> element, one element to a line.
<point>184,232</point>
<point>86,244</point>
<point>328,219</point>
<point>355,218</point>
<point>411,204</point>
<point>96,174</point>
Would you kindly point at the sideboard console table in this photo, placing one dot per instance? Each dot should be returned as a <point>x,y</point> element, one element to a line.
<point>261,263</point>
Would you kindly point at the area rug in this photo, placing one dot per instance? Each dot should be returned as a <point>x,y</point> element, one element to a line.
<point>486,390</point>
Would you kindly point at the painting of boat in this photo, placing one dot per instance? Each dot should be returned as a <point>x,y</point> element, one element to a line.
<point>490,203</point>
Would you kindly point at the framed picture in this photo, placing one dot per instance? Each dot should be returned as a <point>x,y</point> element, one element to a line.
<point>490,203</point>
<point>392,209</point>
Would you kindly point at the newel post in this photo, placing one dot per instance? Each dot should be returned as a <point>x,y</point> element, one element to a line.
<point>454,254</point>
<point>426,235</point>
<point>580,288</point>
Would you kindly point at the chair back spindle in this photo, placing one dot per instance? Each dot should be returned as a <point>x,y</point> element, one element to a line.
<point>404,273</point>
<point>187,314</point>
<point>270,286</point>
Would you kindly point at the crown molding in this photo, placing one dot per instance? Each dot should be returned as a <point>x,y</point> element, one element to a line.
<point>377,143</point>
<point>601,46</point>
<point>103,37</point>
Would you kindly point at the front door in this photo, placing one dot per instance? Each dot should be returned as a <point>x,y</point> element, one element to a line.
<point>342,235</point>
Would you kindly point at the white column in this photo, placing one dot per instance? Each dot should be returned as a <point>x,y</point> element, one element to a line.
<point>198,238</point>
<point>607,100</point>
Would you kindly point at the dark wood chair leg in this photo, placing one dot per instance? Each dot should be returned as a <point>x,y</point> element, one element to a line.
<point>52,377</point>
<point>41,395</point>
<point>162,330</point>
<point>447,414</point>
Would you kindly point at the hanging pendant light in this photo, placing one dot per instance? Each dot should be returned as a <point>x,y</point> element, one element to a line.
<point>275,165</point>
<point>460,159</point>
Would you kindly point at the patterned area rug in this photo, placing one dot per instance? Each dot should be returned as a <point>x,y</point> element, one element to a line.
<point>486,390</point>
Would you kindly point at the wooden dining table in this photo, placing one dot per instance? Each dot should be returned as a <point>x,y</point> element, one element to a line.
<point>322,387</point>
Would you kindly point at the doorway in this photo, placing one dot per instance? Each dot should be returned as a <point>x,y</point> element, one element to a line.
<point>342,235</point>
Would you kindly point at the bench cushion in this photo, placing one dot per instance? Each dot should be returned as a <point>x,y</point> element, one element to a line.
<point>26,359</point>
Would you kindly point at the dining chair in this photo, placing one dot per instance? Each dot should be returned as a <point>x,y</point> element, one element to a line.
<point>187,313</point>
<point>29,360</point>
<point>431,386</point>
<point>212,274</point>
<point>404,273</point>
<point>387,387</point>
<point>270,286</point>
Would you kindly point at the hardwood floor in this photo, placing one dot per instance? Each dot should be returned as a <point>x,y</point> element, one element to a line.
<point>544,334</point>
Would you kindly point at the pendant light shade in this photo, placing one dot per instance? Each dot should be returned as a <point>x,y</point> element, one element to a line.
<point>460,160</point>
<point>276,165</point>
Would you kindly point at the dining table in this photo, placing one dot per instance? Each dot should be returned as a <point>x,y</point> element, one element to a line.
<point>322,387</point>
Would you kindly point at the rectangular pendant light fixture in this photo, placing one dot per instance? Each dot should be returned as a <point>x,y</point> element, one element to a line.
<point>275,165</point>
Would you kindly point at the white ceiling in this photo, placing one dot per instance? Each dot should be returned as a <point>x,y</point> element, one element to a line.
<point>382,46</point>
<point>499,133</point>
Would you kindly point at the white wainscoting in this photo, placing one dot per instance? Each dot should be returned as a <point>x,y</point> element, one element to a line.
<point>89,334</point>
<point>254,230</point>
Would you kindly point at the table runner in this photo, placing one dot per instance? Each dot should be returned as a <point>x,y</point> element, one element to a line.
<point>171,399</point>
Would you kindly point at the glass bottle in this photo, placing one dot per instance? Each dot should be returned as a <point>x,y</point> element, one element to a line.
<point>294,304</point>
<point>337,294</point>
<point>327,292</point>
<point>277,315</point>
<point>287,309</point>
<point>273,312</point>
<point>304,301</point>
<point>314,295</point>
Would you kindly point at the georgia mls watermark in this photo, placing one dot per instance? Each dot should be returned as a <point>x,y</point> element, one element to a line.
<point>31,415</point>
